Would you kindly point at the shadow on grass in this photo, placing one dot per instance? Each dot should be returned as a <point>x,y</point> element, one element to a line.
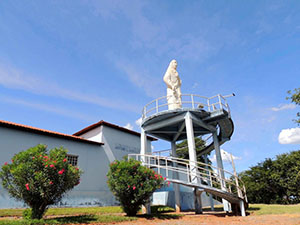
<point>73,219</point>
<point>216,209</point>
<point>83,219</point>
<point>254,208</point>
<point>160,216</point>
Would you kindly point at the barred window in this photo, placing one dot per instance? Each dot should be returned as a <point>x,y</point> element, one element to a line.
<point>73,159</point>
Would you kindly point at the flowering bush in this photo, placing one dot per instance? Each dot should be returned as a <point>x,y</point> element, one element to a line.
<point>39,178</point>
<point>132,184</point>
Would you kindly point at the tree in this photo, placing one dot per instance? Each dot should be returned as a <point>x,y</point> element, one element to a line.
<point>182,150</point>
<point>39,177</point>
<point>295,98</point>
<point>132,184</point>
<point>274,181</point>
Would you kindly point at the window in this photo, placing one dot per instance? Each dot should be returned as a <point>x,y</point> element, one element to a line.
<point>73,159</point>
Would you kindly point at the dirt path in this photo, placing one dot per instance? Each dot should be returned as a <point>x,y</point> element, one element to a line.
<point>221,218</point>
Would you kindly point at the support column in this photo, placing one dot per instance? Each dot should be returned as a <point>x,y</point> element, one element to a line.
<point>211,200</point>
<point>226,204</point>
<point>242,208</point>
<point>197,201</point>
<point>145,208</point>
<point>143,145</point>
<point>191,146</point>
<point>175,176</point>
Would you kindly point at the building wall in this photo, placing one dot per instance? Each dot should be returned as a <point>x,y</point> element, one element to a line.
<point>93,135</point>
<point>119,143</point>
<point>92,160</point>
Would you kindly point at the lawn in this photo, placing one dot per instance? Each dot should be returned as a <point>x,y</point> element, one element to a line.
<point>115,214</point>
<point>264,209</point>
<point>82,215</point>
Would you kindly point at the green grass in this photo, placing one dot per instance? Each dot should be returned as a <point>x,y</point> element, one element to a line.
<point>161,209</point>
<point>66,211</point>
<point>86,219</point>
<point>84,215</point>
<point>264,209</point>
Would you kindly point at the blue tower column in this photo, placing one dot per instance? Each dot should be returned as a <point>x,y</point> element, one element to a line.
<point>175,176</point>
<point>226,204</point>
<point>147,207</point>
<point>193,160</point>
<point>211,200</point>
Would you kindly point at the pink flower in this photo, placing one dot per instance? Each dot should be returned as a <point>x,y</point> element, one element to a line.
<point>33,157</point>
<point>128,186</point>
<point>76,168</point>
<point>133,187</point>
<point>54,161</point>
<point>168,183</point>
<point>165,178</point>
<point>45,157</point>
<point>61,171</point>
<point>46,166</point>
<point>5,163</point>
<point>160,176</point>
<point>141,184</point>
<point>51,165</point>
<point>27,187</point>
<point>50,182</point>
<point>65,160</point>
<point>155,175</point>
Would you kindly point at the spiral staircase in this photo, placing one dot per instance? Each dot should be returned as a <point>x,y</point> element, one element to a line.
<point>198,116</point>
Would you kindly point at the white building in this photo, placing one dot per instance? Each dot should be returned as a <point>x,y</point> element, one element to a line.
<point>92,148</point>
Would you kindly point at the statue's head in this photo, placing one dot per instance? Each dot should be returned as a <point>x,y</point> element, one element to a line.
<point>173,64</point>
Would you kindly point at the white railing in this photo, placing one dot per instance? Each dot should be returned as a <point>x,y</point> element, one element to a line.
<point>199,172</point>
<point>189,101</point>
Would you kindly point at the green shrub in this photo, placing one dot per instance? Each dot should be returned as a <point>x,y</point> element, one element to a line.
<point>39,178</point>
<point>132,184</point>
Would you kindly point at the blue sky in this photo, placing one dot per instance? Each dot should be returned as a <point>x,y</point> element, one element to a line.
<point>67,64</point>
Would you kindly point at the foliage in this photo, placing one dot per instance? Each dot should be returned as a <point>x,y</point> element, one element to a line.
<point>132,184</point>
<point>274,181</point>
<point>39,178</point>
<point>182,150</point>
<point>295,98</point>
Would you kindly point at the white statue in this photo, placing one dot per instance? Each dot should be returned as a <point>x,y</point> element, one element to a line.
<point>173,83</point>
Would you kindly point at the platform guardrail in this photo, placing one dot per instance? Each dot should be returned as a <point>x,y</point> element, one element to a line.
<point>190,171</point>
<point>189,101</point>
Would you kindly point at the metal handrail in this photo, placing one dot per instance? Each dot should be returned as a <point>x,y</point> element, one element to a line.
<point>194,101</point>
<point>193,171</point>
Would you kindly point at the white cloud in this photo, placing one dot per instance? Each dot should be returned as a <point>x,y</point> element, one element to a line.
<point>128,126</point>
<point>138,121</point>
<point>15,79</point>
<point>289,136</point>
<point>225,156</point>
<point>283,107</point>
